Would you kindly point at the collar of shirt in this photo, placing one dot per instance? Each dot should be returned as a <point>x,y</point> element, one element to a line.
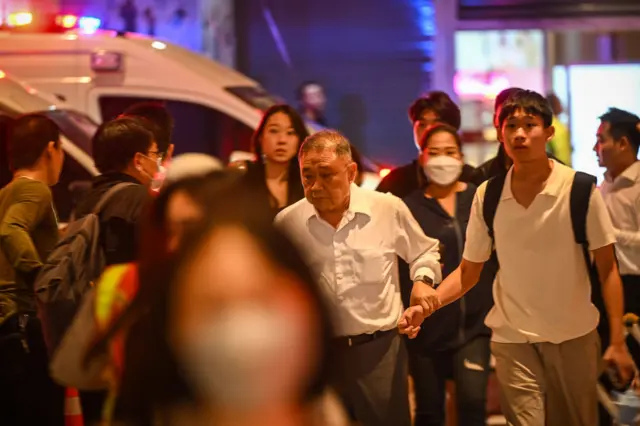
<point>553,186</point>
<point>630,175</point>
<point>358,204</point>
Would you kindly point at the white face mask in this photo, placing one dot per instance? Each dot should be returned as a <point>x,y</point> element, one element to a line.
<point>443,169</point>
<point>247,357</point>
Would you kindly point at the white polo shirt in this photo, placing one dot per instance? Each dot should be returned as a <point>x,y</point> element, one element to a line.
<point>622,197</point>
<point>542,291</point>
<point>356,264</point>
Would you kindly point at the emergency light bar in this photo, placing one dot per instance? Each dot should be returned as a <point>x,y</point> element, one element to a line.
<point>26,21</point>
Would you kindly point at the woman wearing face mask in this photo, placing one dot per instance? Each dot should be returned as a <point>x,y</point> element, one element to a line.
<point>453,342</point>
<point>235,333</point>
<point>276,173</point>
<point>90,356</point>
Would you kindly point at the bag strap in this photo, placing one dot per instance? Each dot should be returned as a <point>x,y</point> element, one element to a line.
<point>109,194</point>
<point>581,189</point>
<point>491,201</point>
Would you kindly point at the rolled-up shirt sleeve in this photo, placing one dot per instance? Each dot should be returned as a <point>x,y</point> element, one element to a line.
<point>412,245</point>
<point>478,245</point>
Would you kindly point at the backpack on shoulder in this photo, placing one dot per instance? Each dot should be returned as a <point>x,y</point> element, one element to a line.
<point>581,189</point>
<point>69,272</point>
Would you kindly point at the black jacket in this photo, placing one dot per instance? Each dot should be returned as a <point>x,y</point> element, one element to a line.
<point>463,320</point>
<point>254,178</point>
<point>403,180</point>
<point>120,216</point>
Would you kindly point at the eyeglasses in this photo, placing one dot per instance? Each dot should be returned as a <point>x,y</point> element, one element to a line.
<point>156,154</point>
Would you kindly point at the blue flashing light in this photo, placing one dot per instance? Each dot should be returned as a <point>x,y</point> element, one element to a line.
<point>88,24</point>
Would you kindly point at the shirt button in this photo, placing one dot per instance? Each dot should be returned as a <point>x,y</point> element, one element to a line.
<point>339,276</point>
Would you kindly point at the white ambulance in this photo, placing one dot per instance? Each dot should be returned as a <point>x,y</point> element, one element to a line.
<point>101,73</point>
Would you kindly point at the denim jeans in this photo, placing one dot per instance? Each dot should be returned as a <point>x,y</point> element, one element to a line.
<point>469,368</point>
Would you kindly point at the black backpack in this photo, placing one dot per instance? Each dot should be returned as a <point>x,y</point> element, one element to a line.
<point>70,271</point>
<point>581,190</point>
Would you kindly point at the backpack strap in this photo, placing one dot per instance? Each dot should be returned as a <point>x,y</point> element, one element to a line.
<point>491,201</point>
<point>109,194</point>
<point>581,190</point>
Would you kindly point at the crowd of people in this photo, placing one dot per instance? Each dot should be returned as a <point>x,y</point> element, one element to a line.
<point>279,292</point>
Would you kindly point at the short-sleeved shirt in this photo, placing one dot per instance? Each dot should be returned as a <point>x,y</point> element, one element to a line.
<point>542,291</point>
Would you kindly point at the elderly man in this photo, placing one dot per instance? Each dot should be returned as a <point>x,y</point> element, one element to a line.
<point>353,237</point>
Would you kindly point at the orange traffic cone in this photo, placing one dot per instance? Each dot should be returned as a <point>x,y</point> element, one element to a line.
<point>72,408</point>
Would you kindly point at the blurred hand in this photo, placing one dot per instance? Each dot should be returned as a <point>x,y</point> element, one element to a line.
<point>618,356</point>
<point>424,295</point>
<point>410,321</point>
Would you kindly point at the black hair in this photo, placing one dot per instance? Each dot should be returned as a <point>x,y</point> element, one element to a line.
<point>502,97</point>
<point>529,102</point>
<point>623,124</point>
<point>29,137</point>
<point>159,115</point>
<point>295,190</point>
<point>153,379</point>
<point>441,104</point>
<point>116,142</point>
<point>438,128</point>
<point>554,102</point>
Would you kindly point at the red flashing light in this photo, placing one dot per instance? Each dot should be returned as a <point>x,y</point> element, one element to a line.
<point>384,172</point>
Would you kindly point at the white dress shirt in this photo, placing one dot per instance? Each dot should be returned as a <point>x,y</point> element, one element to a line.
<point>542,291</point>
<point>622,197</point>
<point>356,263</point>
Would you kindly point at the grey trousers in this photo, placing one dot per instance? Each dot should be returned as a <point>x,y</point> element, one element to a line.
<point>544,384</point>
<point>374,383</point>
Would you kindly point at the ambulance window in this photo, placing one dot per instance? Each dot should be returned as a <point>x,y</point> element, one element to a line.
<point>197,128</point>
<point>73,183</point>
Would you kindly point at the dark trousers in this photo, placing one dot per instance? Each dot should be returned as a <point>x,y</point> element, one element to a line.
<point>468,366</point>
<point>373,383</point>
<point>631,287</point>
<point>28,395</point>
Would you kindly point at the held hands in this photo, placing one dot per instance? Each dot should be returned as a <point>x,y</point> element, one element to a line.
<point>424,295</point>
<point>410,321</point>
<point>424,302</point>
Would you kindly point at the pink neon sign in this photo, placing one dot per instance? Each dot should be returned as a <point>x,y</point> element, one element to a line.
<point>485,85</point>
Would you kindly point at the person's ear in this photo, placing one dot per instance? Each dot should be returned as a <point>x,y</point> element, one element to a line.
<point>624,143</point>
<point>51,148</point>
<point>137,161</point>
<point>352,171</point>
<point>550,132</point>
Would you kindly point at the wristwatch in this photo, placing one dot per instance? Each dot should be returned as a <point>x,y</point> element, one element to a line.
<point>425,279</point>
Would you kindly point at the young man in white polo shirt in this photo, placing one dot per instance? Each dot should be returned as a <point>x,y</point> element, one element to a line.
<point>543,322</point>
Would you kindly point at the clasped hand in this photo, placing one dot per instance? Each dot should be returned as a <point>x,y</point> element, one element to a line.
<point>424,302</point>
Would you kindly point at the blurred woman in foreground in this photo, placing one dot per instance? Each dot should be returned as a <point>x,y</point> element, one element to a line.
<point>235,332</point>
<point>90,356</point>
